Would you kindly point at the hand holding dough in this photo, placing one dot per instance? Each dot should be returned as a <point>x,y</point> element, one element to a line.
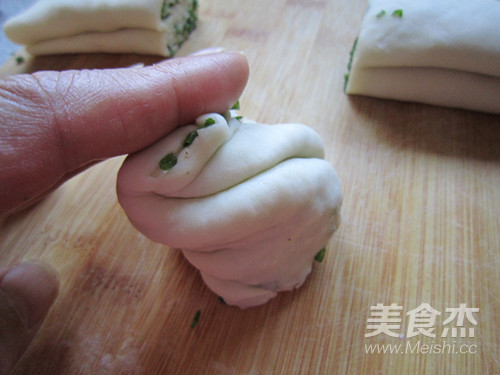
<point>249,204</point>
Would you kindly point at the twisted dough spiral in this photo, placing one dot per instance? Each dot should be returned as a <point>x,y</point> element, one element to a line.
<point>248,204</point>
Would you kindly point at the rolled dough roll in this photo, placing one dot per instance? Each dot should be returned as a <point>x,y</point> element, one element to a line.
<point>249,204</point>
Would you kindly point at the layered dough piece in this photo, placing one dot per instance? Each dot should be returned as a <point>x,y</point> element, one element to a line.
<point>444,52</point>
<point>157,27</point>
<point>249,205</point>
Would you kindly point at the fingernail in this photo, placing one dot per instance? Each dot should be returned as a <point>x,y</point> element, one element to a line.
<point>210,50</point>
<point>136,65</point>
<point>31,287</point>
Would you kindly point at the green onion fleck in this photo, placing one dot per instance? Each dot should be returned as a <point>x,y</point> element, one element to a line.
<point>238,118</point>
<point>171,50</point>
<point>351,54</point>
<point>381,13</point>
<point>320,255</point>
<point>236,105</point>
<point>165,8</point>
<point>168,162</point>
<point>398,13</point>
<point>196,319</point>
<point>165,11</point>
<point>19,60</point>
<point>209,121</point>
<point>188,141</point>
<point>349,64</point>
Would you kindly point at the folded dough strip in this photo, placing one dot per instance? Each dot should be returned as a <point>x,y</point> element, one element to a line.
<point>110,26</point>
<point>442,53</point>
<point>459,35</point>
<point>217,220</point>
<point>449,88</point>
<point>226,153</point>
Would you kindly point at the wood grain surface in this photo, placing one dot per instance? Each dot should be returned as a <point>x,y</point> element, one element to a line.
<point>421,225</point>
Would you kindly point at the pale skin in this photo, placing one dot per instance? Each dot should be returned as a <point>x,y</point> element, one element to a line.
<point>54,125</point>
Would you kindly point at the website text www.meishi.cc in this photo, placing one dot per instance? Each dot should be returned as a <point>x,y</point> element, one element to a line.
<point>420,347</point>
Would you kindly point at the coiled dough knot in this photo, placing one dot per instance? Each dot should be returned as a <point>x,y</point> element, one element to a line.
<point>248,204</point>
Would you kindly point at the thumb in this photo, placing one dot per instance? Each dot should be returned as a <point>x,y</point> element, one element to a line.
<point>27,291</point>
<point>54,123</point>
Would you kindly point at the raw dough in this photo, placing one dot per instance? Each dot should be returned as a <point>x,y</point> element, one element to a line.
<point>114,26</point>
<point>444,52</point>
<point>249,204</point>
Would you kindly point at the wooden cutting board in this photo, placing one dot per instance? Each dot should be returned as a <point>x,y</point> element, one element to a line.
<point>421,225</point>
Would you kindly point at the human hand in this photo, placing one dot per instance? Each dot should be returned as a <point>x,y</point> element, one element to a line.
<point>53,125</point>
<point>27,292</point>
